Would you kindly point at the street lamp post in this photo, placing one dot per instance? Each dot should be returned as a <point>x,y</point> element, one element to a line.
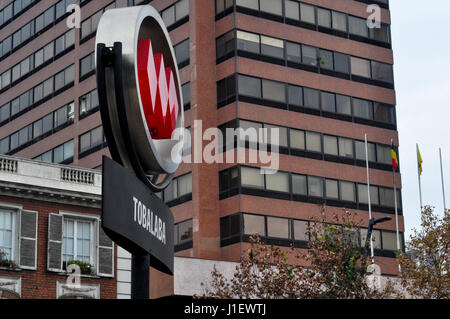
<point>372,222</point>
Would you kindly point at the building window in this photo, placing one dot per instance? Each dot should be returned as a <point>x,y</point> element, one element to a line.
<point>376,235</point>
<point>363,196</point>
<point>278,227</point>
<point>332,189</point>
<point>273,91</point>
<point>381,34</point>
<point>277,182</point>
<point>87,64</point>
<point>324,18</point>
<point>358,26</point>
<point>384,154</point>
<point>249,86</point>
<point>383,113</point>
<point>182,53</point>
<point>7,220</point>
<point>362,109</point>
<point>225,44</point>
<point>254,224</point>
<point>299,185</point>
<point>389,240</point>
<point>360,67</point>
<point>347,191</point>
<point>311,98</point>
<point>341,63</point>
<point>309,55</point>
<point>295,95</point>
<point>226,90</point>
<point>293,52</point>
<point>91,139</point>
<point>77,240</point>
<point>328,102</point>
<point>18,235</point>
<point>79,237</point>
<point>339,21</point>
<point>343,104</point>
<point>292,10</point>
<point>300,230</point>
<point>346,147</point>
<point>88,102</point>
<point>175,12</point>
<point>89,26</point>
<point>230,226</point>
<point>330,145</point>
<point>315,186</point>
<point>251,4</point>
<point>313,143</point>
<point>48,51</point>
<point>382,72</point>
<point>271,6</point>
<point>186,91</point>
<point>248,42</point>
<point>272,47</point>
<point>183,232</point>
<point>386,197</point>
<point>179,189</point>
<point>222,5</point>
<point>60,154</point>
<point>326,59</point>
<point>252,177</point>
<point>282,135</point>
<point>307,13</point>
<point>361,151</point>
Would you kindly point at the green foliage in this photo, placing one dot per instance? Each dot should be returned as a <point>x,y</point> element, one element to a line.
<point>425,265</point>
<point>85,267</point>
<point>332,267</point>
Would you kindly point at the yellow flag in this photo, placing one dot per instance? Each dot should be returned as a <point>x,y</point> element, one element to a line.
<point>419,160</point>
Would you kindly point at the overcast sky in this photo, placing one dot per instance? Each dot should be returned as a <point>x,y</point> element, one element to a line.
<point>421,44</point>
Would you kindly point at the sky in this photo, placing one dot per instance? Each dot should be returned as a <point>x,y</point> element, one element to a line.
<point>421,45</point>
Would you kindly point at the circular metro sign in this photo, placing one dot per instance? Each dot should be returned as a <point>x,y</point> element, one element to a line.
<point>141,93</point>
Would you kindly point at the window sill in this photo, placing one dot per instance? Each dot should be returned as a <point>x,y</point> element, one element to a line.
<point>11,269</point>
<point>93,276</point>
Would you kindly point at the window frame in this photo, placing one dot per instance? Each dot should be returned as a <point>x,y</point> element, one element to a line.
<point>80,217</point>
<point>14,210</point>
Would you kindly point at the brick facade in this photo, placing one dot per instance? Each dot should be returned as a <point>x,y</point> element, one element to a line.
<point>41,283</point>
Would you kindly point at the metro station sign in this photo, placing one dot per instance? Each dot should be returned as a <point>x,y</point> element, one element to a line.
<point>140,104</point>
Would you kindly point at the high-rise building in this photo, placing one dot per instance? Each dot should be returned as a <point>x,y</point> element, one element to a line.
<point>314,69</point>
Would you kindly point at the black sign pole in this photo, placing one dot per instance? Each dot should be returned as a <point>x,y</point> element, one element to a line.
<point>140,277</point>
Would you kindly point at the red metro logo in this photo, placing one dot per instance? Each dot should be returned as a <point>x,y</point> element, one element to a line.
<point>158,91</point>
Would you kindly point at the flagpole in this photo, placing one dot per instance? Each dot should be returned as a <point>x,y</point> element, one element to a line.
<point>442,178</point>
<point>418,174</point>
<point>368,196</point>
<point>395,205</point>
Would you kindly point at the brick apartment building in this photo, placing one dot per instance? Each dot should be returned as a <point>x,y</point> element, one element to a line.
<point>311,68</point>
<point>49,215</point>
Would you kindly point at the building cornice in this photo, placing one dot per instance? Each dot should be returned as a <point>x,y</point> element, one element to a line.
<point>50,182</point>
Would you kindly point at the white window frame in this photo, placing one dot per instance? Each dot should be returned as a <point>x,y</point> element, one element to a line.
<point>15,210</point>
<point>93,220</point>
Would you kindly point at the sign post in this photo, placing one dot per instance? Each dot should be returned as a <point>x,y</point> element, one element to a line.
<point>141,106</point>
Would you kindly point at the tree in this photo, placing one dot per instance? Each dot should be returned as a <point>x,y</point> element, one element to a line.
<point>425,266</point>
<point>334,270</point>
